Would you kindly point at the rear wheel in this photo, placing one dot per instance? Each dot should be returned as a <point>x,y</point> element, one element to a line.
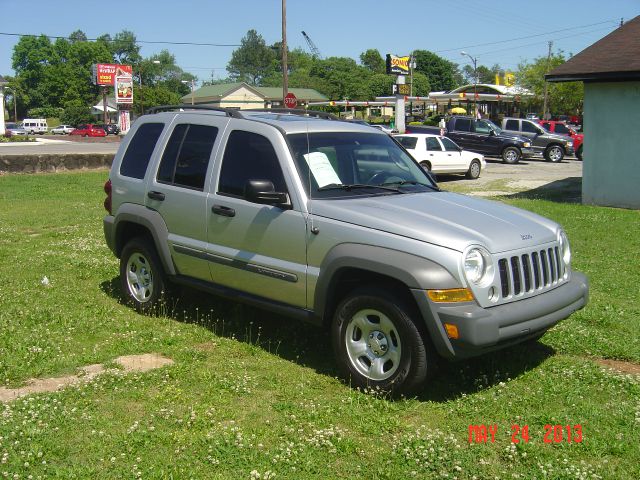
<point>511,155</point>
<point>554,153</point>
<point>474,170</point>
<point>378,344</point>
<point>142,277</point>
<point>426,165</point>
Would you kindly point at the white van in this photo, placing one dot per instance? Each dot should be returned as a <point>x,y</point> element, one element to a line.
<point>35,125</point>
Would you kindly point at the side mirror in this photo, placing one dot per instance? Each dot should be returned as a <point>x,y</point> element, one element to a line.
<point>492,133</point>
<point>263,192</point>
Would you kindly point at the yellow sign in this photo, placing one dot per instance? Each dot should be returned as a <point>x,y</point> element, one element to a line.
<point>509,79</point>
<point>399,65</point>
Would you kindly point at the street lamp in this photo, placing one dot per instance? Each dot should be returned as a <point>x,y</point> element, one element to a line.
<point>193,87</point>
<point>155,62</point>
<point>475,80</point>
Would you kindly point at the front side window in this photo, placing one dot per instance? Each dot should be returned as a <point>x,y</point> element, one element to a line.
<point>449,146</point>
<point>562,128</point>
<point>249,156</point>
<point>530,127</point>
<point>186,158</point>
<point>347,164</point>
<point>136,158</point>
<point>482,126</point>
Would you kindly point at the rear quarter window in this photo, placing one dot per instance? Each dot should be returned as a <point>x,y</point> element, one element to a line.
<point>512,125</point>
<point>136,158</point>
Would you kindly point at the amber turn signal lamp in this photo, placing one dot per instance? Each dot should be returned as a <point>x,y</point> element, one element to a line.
<point>450,295</point>
<point>452,331</point>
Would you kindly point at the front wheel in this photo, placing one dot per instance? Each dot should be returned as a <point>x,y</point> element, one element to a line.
<point>142,277</point>
<point>511,155</point>
<point>554,153</point>
<point>378,344</point>
<point>474,170</point>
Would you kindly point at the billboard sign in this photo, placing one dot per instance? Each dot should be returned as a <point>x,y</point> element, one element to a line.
<point>398,65</point>
<point>105,74</point>
<point>124,89</point>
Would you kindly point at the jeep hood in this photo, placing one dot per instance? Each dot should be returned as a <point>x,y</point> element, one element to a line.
<point>442,218</point>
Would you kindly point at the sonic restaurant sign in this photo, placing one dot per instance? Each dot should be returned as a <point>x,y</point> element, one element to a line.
<point>105,74</point>
<point>398,65</point>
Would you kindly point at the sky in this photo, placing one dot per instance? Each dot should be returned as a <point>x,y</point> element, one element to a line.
<point>494,32</point>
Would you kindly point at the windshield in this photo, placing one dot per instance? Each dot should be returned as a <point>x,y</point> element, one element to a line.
<point>346,164</point>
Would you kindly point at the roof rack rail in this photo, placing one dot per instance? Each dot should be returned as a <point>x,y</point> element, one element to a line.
<point>231,112</point>
<point>294,111</point>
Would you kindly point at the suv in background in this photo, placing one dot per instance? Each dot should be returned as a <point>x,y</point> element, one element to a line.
<point>88,130</point>
<point>333,223</point>
<point>110,128</point>
<point>560,128</point>
<point>551,146</point>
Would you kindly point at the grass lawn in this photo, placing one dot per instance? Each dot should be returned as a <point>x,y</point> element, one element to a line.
<point>252,395</point>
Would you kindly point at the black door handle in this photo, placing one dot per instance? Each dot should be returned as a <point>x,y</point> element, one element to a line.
<point>153,195</point>
<point>224,211</point>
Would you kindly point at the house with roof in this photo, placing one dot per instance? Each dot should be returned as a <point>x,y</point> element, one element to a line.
<point>242,95</point>
<point>610,70</point>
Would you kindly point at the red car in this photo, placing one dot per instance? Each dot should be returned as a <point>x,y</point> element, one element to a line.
<point>562,128</point>
<point>88,130</point>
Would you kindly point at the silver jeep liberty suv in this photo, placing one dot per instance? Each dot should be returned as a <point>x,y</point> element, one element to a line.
<point>333,223</point>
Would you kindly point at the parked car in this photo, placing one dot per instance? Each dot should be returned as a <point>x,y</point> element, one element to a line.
<point>532,116</point>
<point>384,128</point>
<point>35,125</point>
<point>549,145</point>
<point>88,130</point>
<point>332,223</point>
<point>110,128</point>
<point>62,130</point>
<point>441,154</point>
<point>14,129</point>
<point>483,136</point>
<point>561,128</point>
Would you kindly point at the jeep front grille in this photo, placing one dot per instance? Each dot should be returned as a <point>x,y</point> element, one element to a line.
<point>531,272</point>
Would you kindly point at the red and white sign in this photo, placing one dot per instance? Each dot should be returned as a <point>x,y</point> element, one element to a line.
<point>124,90</point>
<point>290,101</point>
<point>105,74</point>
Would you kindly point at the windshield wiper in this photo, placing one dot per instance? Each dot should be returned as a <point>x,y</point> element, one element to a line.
<point>351,186</point>
<point>412,182</point>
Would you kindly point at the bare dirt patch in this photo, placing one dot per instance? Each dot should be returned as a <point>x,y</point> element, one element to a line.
<point>129,363</point>
<point>620,366</point>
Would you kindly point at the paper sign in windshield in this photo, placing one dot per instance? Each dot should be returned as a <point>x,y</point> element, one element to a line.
<point>322,169</point>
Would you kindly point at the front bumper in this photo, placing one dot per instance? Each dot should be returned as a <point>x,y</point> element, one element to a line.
<point>482,330</point>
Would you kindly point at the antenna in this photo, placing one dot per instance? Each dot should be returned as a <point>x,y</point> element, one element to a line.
<point>312,46</point>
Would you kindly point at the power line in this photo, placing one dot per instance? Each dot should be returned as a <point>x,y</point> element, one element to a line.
<point>522,38</point>
<point>198,44</point>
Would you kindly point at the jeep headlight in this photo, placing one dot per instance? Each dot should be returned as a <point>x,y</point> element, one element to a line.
<point>565,249</point>
<point>526,144</point>
<point>477,265</point>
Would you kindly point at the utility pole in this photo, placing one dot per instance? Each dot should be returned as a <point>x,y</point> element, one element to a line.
<point>546,86</point>
<point>285,73</point>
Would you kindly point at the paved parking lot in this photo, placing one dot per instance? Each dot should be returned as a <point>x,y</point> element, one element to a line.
<point>527,175</point>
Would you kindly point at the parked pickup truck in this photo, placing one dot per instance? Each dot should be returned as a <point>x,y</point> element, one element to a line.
<point>482,136</point>
<point>561,128</point>
<point>551,146</point>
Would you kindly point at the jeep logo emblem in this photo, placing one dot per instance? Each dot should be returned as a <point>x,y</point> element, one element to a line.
<point>526,237</point>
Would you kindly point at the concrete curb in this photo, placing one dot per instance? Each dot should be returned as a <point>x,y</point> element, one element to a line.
<point>54,162</point>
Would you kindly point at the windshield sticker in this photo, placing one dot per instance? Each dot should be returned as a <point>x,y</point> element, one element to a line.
<point>322,169</point>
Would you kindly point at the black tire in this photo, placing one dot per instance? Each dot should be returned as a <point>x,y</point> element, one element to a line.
<point>426,165</point>
<point>511,155</point>
<point>579,153</point>
<point>378,343</point>
<point>142,277</point>
<point>554,153</point>
<point>474,170</point>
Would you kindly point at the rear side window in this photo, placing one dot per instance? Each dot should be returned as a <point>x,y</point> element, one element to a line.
<point>249,156</point>
<point>408,142</point>
<point>433,144</point>
<point>463,124</point>
<point>186,158</point>
<point>512,125</point>
<point>136,158</point>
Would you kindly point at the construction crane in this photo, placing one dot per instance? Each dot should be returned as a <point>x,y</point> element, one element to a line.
<point>312,46</point>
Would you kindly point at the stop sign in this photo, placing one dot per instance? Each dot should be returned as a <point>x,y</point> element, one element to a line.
<point>290,101</point>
